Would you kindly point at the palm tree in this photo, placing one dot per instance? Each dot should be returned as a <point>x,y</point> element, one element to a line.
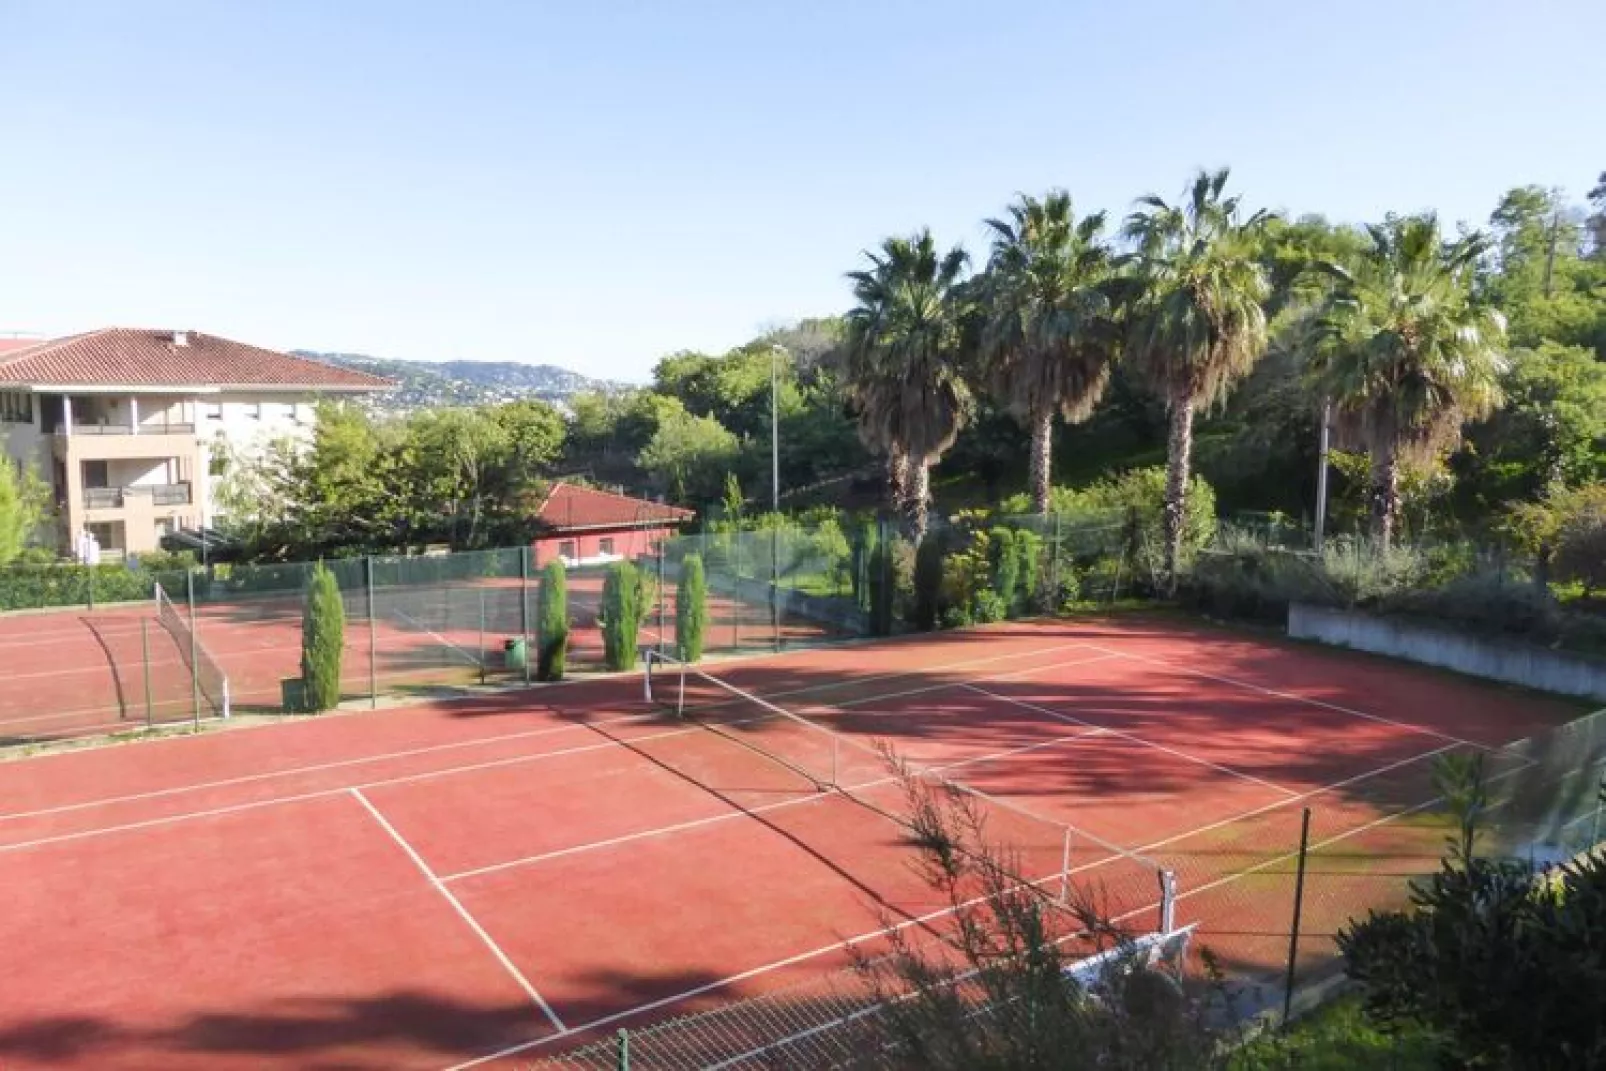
<point>1048,334</point>
<point>901,362</point>
<point>1196,322</point>
<point>1405,352</point>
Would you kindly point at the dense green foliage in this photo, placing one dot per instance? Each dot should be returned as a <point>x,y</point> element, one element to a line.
<point>22,509</point>
<point>1504,969</point>
<point>928,581</point>
<point>552,623</point>
<point>622,609</point>
<point>691,609</point>
<point>323,640</point>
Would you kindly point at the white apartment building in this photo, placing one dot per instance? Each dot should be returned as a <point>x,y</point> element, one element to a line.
<point>125,423</point>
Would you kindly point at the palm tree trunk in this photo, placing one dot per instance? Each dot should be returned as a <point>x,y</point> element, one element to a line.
<point>1179,456</point>
<point>897,479</point>
<point>916,515</point>
<point>1385,497</point>
<point>1042,459</point>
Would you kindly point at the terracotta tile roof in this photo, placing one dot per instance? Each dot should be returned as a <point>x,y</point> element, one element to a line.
<point>569,506</point>
<point>121,356</point>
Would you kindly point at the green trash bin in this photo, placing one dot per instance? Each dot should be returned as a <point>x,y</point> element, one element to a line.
<point>515,654</point>
<point>293,695</point>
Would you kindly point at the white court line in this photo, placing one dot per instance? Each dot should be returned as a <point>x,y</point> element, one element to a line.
<point>640,1009</point>
<point>473,924</point>
<point>478,742</point>
<point>1247,686</point>
<point>448,771</point>
<point>695,823</point>
<point>1134,738</point>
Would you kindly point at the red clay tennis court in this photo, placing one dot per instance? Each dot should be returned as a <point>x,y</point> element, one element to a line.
<point>494,879</point>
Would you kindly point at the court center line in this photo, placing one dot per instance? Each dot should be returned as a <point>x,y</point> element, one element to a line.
<point>1307,700</point>
<point>478,742</point>
<point>695,823</point>
<point>1070,719</point>
<point>463,912</point>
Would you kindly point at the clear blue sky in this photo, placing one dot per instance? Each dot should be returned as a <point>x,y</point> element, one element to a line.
<point>597,184</point>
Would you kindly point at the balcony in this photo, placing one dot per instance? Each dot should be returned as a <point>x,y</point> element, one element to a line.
<point>161,494</point>
<point>125,429</point>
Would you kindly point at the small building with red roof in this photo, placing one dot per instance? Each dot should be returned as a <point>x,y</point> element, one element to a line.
<point>587,526</point>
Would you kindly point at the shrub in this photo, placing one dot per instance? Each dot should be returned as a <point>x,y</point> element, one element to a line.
<point>621,615</point>
<point>1581,539</point>
<point>1029,566</point>
<point>886,569</point>
<point>552,623</point>
<point>928,582</point>
<point>323,640</point>
<point>988,606</point>
<point>1005,564</point>
<point>691,609</point>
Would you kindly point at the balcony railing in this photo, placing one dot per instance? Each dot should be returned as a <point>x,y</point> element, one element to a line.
<point>103,497</point>
<point>126,429</point>
<point>161,494</point>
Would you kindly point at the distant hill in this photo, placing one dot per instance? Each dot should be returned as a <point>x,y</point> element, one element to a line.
<point>421,384</point>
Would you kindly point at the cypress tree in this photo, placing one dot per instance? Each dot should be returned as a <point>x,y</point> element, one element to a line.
<point>621,616</point>
<point>691,609</point>
<point>323,640</point>
<point>552,623</point>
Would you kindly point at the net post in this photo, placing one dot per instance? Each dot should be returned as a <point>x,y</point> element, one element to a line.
<point>195,665</point>
<point>1065,867</point>
<point>373,639</point>
<point>646,679</point>
<point>1168,901</point>
<point>145,655</point>
<point>228,705</point>
<point>680,693</point>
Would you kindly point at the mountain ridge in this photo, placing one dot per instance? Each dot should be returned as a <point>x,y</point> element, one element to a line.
<point>422,384</point>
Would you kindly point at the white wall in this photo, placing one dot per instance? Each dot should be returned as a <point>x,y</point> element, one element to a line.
<point>247,423</point>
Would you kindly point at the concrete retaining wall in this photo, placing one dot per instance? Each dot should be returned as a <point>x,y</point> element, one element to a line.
<point>1533,667</point>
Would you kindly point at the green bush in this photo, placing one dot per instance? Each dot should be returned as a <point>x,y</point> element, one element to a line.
<point>1005,563</point>
<point>552,623</point>
<point>928,582</point>
<point>988,606</point>
<point>621,615</point>
<point>882,583</point>
<point>323,640</point>
<point>691,609</point>
<point>1028,556</point>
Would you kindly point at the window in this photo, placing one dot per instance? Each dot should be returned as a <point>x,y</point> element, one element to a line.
<point>214,410</point>
<point>253,410</point>
<point>605,545</point>
<point>95,474</point>
<point>16,407</point>
<point>566,549</point>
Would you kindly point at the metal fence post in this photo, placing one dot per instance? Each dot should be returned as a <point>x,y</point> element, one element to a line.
<point>1299,903</point>
<point>482,653</point>
<point>624,1049</point>
<point>1054,568</point>
<point>373,638</point>
<point>195,665</point>
<point>663,597</point>
<point>145,655</point>
<point>524,606</point>
<point>775,583</point>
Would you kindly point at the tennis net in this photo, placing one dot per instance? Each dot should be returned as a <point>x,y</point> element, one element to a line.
<point>210,682</point>
<point>1049,853</point>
